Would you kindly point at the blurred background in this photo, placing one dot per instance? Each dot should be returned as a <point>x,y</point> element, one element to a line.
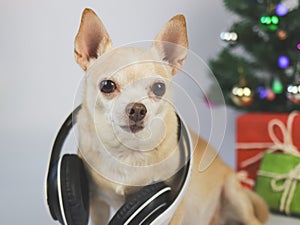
<point>40,80</point>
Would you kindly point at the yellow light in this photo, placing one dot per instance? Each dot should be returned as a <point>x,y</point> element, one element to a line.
<point>235,91</point>
<point>240,92</point>
<point>247,91</point>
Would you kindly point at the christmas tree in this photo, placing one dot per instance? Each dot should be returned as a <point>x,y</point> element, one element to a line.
<point>259,68</point>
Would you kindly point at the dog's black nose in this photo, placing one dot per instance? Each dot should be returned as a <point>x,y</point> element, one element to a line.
<point>136,111</point>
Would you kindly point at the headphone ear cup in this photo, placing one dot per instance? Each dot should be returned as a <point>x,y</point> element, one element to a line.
<point>52,194</point>
<point>143,206</point>
<point>74,190</point>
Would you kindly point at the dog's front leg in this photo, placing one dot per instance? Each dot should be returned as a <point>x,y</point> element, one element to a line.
<point>100,211</point>
<point>241,205</point>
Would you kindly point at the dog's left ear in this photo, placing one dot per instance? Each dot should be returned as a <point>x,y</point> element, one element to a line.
<point>172,43</point>
<point>92,39</point>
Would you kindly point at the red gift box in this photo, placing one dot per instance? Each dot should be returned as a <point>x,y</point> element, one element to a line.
<point>258,133</point>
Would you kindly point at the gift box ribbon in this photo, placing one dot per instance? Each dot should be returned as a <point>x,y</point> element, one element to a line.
<point>288,187</point>
<point>286,146</point>
<point>243,177</point>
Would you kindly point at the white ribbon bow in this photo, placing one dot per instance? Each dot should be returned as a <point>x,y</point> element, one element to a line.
<point>288,187</point>
<point>286,146</point>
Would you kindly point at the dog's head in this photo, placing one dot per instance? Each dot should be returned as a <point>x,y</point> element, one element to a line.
<point>127,90</point>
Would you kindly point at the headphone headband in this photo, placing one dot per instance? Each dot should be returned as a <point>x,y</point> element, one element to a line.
<point>62,135</point>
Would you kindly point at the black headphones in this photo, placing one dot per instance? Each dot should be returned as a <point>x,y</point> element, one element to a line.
<point>68,191</point>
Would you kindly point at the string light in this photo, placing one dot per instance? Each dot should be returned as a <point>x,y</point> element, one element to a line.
<point>270,94</point>
<point>293,92</point>
<point>277,86</point>
<point>262,92</point>
<point>269,20</point>
<point>229,36</point>
<point>283,62</point>
<point>282,35</point>
<point>281,9</point>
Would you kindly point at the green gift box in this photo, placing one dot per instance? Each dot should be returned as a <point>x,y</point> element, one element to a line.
<point>278,182</point>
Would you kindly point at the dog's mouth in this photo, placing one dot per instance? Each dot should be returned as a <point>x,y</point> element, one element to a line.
<point>133,128</point>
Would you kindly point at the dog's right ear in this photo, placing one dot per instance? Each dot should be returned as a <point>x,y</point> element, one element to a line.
<point>92,39</point>
<point>171,43</point>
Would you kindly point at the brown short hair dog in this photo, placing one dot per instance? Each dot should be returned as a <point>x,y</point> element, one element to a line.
<point>125,123</point>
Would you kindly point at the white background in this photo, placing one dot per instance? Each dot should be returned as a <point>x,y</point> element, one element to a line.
<point>39,81</point>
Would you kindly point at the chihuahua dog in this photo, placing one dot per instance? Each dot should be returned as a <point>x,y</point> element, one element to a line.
<point>127,130</point>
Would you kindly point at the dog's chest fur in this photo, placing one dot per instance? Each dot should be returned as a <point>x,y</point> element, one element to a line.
<point>114,176</point>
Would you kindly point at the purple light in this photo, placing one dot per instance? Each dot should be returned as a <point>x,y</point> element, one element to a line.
<point>263,93</point>
<point>283,62</point>
<point>298,46</point>
<point>281,9</point>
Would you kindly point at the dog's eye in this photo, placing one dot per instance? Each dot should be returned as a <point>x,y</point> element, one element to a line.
<point>158,89</point>
<point>107,86</point>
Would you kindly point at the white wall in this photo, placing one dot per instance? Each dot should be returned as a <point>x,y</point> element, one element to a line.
<point>39,79</point>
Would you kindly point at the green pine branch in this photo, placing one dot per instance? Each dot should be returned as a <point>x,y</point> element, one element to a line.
<point>256,51</point>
